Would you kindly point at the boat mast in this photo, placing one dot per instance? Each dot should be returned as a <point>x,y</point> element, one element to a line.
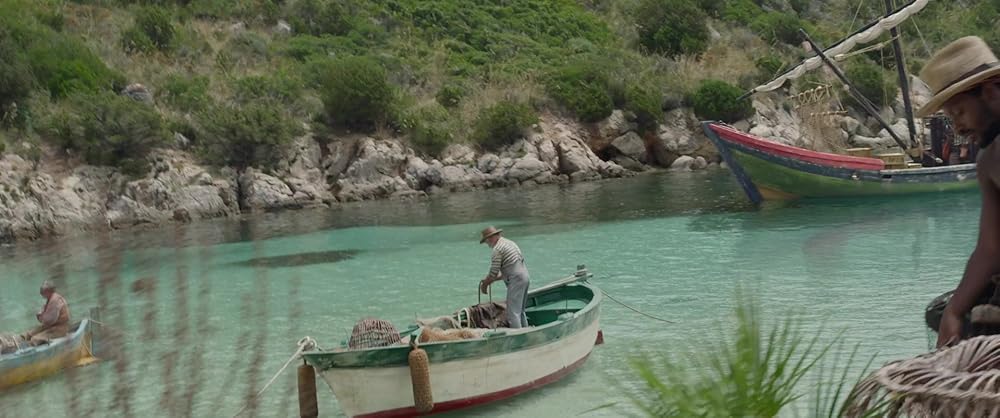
<point>904,82</point>
<point>855,92</point>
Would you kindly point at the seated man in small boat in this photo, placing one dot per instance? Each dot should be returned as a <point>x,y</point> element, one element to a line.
<point>507,263</point>
<point>54,317</point>
<point>965,79</point>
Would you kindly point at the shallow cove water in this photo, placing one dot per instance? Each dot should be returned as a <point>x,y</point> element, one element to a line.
<point>200,316</point>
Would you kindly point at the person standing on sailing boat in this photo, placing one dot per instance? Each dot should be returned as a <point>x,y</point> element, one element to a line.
<point>507,263</point>
<point>965,79</point>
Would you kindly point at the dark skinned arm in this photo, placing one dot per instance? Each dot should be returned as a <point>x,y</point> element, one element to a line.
<point>982,265</point>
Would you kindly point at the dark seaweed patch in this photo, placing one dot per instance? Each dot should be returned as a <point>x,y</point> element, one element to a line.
<point>300,259</point>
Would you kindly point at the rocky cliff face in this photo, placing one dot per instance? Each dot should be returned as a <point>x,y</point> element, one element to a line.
<point>47,201</point>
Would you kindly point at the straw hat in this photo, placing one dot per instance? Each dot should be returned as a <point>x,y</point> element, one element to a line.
<point>956,68</point>
<point>489,232</point>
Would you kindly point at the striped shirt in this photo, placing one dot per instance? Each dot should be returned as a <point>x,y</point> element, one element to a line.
<point>505,253</point>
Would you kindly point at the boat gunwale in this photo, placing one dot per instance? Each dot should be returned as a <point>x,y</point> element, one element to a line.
<point>824,159</point>
<point>70,341</point>
<point>955,168</point>
<point>314,357</point>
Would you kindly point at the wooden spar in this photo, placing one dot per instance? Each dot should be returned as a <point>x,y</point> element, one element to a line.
<point>857,94</point>
<point>904,83</point>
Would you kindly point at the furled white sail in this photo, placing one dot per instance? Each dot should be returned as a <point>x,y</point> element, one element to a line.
<point>864,36</point>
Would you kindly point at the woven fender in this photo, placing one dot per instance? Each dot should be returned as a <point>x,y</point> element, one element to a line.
<point>420,375</point>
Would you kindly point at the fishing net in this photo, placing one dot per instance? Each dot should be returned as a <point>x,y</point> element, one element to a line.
<point>371,332</point>
<point>11,343</point>
<point>820,111</point>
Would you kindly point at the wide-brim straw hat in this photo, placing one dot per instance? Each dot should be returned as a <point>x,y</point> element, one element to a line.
<point>956,68</point>
<point>489,232</point>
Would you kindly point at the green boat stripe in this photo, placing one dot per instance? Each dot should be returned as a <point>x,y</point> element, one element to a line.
<point>445,351</point>
<point>805,184</point>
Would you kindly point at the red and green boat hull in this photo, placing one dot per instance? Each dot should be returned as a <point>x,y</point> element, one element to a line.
<point>768,170</point>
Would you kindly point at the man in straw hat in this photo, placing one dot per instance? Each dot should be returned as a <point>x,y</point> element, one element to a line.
<point>507,263</point>
<point>54,317</point>
<point>965,79</point>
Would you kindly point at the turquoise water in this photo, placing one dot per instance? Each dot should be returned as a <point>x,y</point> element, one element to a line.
<point>202,315</point>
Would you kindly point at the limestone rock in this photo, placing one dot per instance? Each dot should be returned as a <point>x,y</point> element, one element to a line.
<point>612,127</point>
<point>488,162</point>
<point>458,154</point>
<point>630,145</point>
<point>138,92</point>
<point>628,163</point>
<point>684,162</point>
<point>282,28</point>
<point>263,191</point>
<point>526,168</point>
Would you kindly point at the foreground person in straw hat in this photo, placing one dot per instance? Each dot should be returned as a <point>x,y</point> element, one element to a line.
<point>965,78</point>
<point>507,263</point>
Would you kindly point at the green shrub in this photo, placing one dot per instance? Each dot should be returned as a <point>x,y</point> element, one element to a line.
<point>249,45</point>
<point>278,87</point>
<point>355,92</point>
<point>645,101</point>
<point>431,129</point>
<point>268,10</point>
<point>777,27</point>
<point>317,17</point>
<point>107,129</point>
<point>450,94</point>
<point>741,11</point>
<point>717,100</point>
<point>712,7</point>
<point>502,123</point>
<point>871,81</point>
<point>302,47</point>
<point>672,27</point>
<point>52,18</point>
<point>769,65</point>
<point>152,30</point>
<point>136,41</point>
<point>800,6</point>
<point>582,88</point>
<point>15,73</point>
<point>251,135</point>
<point>62,64</point>
<point>186,93</point>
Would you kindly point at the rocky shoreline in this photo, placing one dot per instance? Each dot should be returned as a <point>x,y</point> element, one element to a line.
<point>58,196</point>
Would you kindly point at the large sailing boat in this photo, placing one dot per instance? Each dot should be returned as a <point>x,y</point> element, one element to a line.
<point>769,170</point>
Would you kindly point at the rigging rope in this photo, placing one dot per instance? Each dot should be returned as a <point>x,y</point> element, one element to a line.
<point>636,310</point>
<point>306,343</point>
<point>856,13</point>
<point>879,46</point>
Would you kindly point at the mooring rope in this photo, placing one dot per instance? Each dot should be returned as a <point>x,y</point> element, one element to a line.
<point>306,343</point>
<point>636,310</point>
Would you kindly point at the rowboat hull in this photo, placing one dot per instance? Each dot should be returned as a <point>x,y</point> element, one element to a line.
<point>36,363</point>
<point>462,373</point>
<point>771,171</point>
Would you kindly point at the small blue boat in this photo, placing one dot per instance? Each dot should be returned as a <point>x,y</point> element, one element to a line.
<point>33,363</point>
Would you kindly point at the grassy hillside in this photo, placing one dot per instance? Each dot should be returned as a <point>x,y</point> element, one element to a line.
<point>235,80</point>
